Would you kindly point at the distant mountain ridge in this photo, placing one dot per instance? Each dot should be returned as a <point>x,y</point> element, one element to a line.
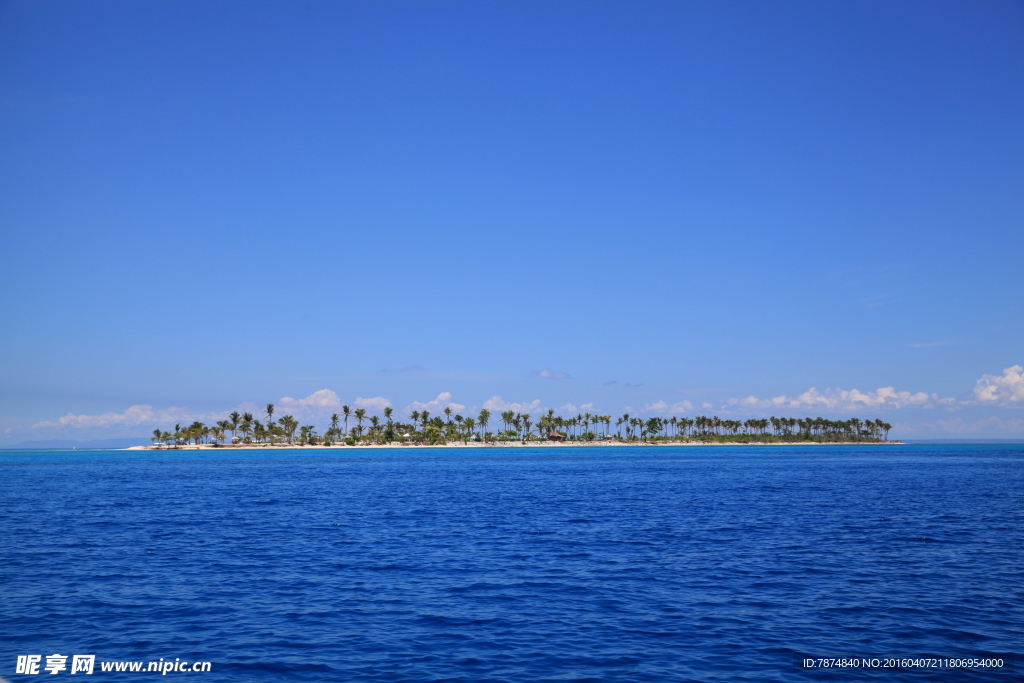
<point>60,444</point>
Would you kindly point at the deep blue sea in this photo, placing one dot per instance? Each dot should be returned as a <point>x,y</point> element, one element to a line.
<point>575,564</point>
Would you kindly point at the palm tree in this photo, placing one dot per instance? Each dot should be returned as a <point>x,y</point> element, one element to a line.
<point>222,427</point>
<point>483,418</point>
<point>246,425</point>
<point>526,425</point>
<point>360,416</point>
<point>196,431</point>
<point>507,417</point>
<point>521,426</point>
<point>289,424</point>
<point>235,419</point>
<point>654,426</point>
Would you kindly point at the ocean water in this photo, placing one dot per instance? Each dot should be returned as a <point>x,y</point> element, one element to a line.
<point>582,564</point>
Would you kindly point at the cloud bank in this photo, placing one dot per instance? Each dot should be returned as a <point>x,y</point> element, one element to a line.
<point>1003,390</point>
<point>318,403</point>
<point>661,407</point>
<point>377,403</point>
<point>132,417</point>
<point>443,400</point>
<point>570,409</point>
<point>853,399</point>
<point>497,405</point>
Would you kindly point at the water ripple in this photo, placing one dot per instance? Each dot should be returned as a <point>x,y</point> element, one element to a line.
<point>688,564</point>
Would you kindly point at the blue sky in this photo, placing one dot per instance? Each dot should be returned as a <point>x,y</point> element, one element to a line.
<point>678,206</point>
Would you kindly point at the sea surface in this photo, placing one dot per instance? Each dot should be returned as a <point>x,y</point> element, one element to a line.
<point>575,564</point>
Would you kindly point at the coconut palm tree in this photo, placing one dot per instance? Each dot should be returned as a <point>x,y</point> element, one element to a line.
<point>483,418</point>
<point>289,424</point>
<point>222,427</point>
<point>526,425</point>
<point>521,426</point>
<point>246,425</point>
<point>235,419</point>
<point>654,426</point>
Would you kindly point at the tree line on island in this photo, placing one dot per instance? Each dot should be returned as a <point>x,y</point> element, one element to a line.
<point>422,427</point>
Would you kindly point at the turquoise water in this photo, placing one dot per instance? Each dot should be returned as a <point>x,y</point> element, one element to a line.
<point>602,564</point>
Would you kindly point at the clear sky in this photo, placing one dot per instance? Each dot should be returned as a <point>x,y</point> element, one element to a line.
<point>693,207</point>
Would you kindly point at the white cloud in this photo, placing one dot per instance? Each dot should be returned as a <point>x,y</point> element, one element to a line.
<point>1006,389</point>
<point>661,408</point>
<point>443,400</point>
<point>318,403</point>
<point>132,417</point>
<point>842,399</point>
<point>496,404</point>
<point>378,403</point>
<point>570,409</point>
<point>551,374</point>
<point>748,402</point>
